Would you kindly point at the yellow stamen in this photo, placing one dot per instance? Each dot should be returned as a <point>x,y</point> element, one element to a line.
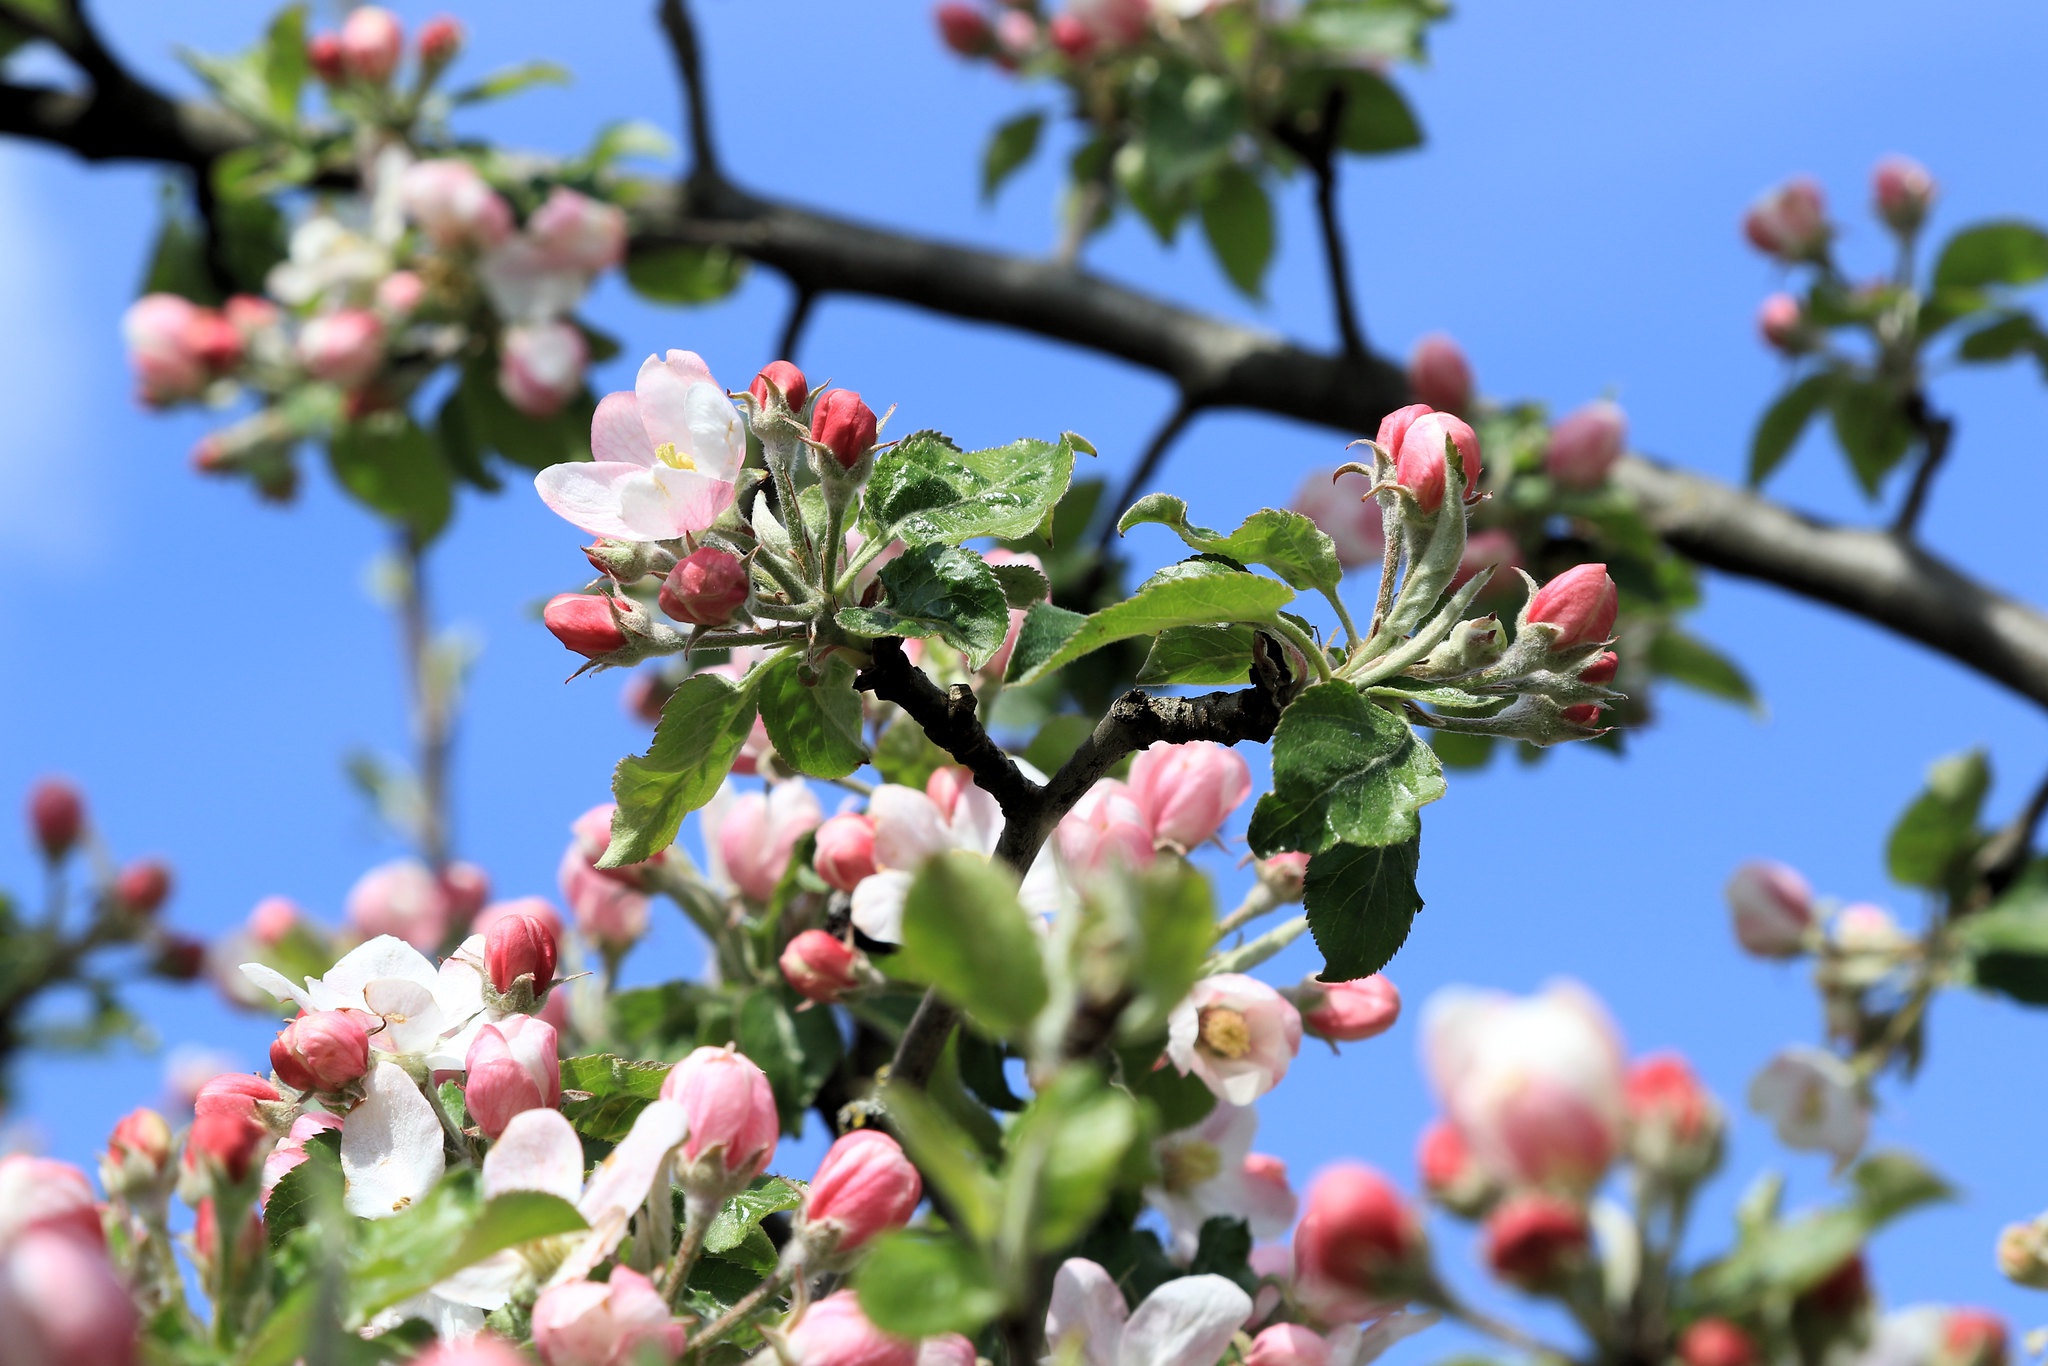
<point>1224,1033</point>
<point>1184,1166</point>
<point>668,455</point>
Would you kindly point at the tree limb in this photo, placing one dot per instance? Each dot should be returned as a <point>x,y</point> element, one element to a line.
<point>682,41</point>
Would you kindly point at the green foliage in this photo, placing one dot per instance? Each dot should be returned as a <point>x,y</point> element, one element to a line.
<point>922,1282</point>
<point>906,755</point>
<point>1685,658</point>
<point>927,491</point>
<point>1361,901</point>
<point>1872,428</point>
<point>965,933</point>
<point>950,1161</point>
<point>2006,944</point>
<point>1052,637</point>
<point>675,274</point>
<point>1009,147</point>
<point>1932,842</point>
<point>308,1190</point>
<point>603,1094</point>
<point>938,590</point>
<point>813,716</point>
<point>395,469</point>
<point>397,1258</point>
<point>796,1048</point>
<point>1199,655</point>
<point>1784,421</point>
<point>512,80</point>
<point>702,726</point>
<point>1068,1146</point>
<point>1237,218</point>
<point>2001,253</point>
<point>1345,770</point>
<point>1288,543</point>
<point>740,1215</point>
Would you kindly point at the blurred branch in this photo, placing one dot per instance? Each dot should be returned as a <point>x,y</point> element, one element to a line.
<point>1155,451</point>
<point>682,41</point>
<point>1935,431</point>
<point>793,326</point>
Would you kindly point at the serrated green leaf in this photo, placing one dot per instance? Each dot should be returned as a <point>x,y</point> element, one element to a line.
<point>672,274</point>
<point>1361,903</point>
<point>1345,771</point>
<point>448,1230</point>
<point>927,491</point>
<point>1237,218</point>
<point>1998,253</point>
<point>396,470</point>
<point>938,590</point>
<point>313,1186</point>
<point>965,934</point>
<point>1687,659</point>
<point>906,756</point>
<point>702,726</point>
<point>1939,830</point>
<point>1022,584</point>
<point>1009,147</point>
<point>613,1092</point>
<point>743,1213</point>
<point>1052,637</point>
<point>1782,424</point>
<point>1199,654</point>
<point>817,727</point>
<point>1287,543</point>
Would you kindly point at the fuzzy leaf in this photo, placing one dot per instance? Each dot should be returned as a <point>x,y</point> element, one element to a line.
<point>1199,654</point>
<point>702,726</point>
<point>923,1282</point>
<point>1237,218</point>
<point>943,591</point>
<point>609,1093</point>
<point>1939,829</point>
<point>816,726</point>
<point>1287,543</point>
<point>743,1213</point>
<point>1345,771</point>
<point>1053,637</point>
<point>1361,903</point>
<point>925,490</point>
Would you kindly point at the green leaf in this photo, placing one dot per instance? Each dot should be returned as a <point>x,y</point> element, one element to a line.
<point>1784,421</point>
<point>395,469</point>
<point>1181,1102</point>
<point>919,1283</point>
<point>1687,659</point>
<point>2007,942</point>
<point>797,1049</point>
<point>313,1186</point>
<point>1175,919</point>
<point>965,933</point>
<point>1361,903</point>
<point>512,80</point>
<point>1871,428</point>
<point>1012,144</point>
<point>177,264</point>
<point>1345,771</point>
<point>399,1257</point>
<point>1070,1142</point>
<point>743,1213</point>
<point>1939,830</point>
<point>1052,637</point>
<point>1224,1248</point>
<point>1022,584</point>
<point>1891,1183</point>
<point>1287,543</point>
<point>947,1157</point>
<point>702,726</point>
<point>531,442</point>
<point>1237,218</point>
<point>815,726</point>
<point>1057,740</point>
<point>938,590</point>
<point>2002,339</point>
<point>684,275</point>
<point>1999,253</point>
<point>613,1092</point>
<point>1199,654</point>
<point>1377,118</point>
<point>285,66</point>
<point>906,756</point>
<point>925,490</point>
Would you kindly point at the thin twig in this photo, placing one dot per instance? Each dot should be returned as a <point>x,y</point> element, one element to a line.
<point>689,57</point>
<point>1936,432</point>
<point>1148,464</point>
<point>793,326</point>
<point>432,707</point>
<point>2005,854</point>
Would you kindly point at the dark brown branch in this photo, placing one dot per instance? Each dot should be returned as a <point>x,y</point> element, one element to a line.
<point>947,716</point>
<point>682,41</point>
<point>793,326</point>
<point>1155,451</point>
<point>1935,432</point>
<point>1316,145</point>
<point>2005,855</point>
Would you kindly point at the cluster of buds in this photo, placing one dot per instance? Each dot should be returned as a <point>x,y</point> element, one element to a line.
<point>1790,225</point>
<point>1012,35</point>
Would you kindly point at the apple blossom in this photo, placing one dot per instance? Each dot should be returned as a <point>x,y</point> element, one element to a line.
<point>780,377</point>
<point>518,945</point>
<point>483,1350</point>
<point>912,826</point>
<point>1420,459</point>
<point>588,623</point>
<point>1815,1102</point>
<point>371,42</point>
<point>1288,1344</point>
<point>820,967</point>
<point>1585,445</point>
<point>1773,908</point>
<point>1072,37</point>
<point>864,1186</point>
<point>1533,1237</point>
<point>512,1065</point>
<point>1674,1122</point>
<point>324,1051</point>
<point>1782,321</point>
<point>664,457</point>
<point>454,205</point>
<point>1439,375</point>
<point>1581,603</point>
<point>707,587</point>
<point>1348,1012</point>
<point>622,1321</point>
<point>1790,222</point>
<point>1105,829</point>
<point>2022,1252</point>
<point>730,1112</point>
<point>846,850</point>
<point>426,1011</point>
<point>1187,791</point>
<point>63,1304</point>
<point>1188,1321</point>
<point>1337,503</point>
<point>291,1149</point>
<point>843,425</point>
<point>137,1158</point>
<point>1903,191</point>
<point>43,1195</point>
<point>1359,1242</point>
<point>403,899</point>
<point>540,366</point>
<point>748,837</point>
<point>608,905</point>
<point>56,816</point>
<point>947,1349</point>
<point>1535,1084</point>
<point>834,1332</point>
<point>344,347</point>
<point>440,39</point>
<point>142,888</point>
<point>1016,36</point>
<point>1717,1342</point>
<point>1210,1170</point>
<point>1236,1033</point>
<point>176,347</point>
<point>540,1151</point>
<point>583,233</point>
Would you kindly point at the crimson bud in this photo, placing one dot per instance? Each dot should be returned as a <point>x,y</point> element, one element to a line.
<point>1790,222</point>
<point>1349,1012</point>
<point>844,425</point>
<point>1534,1237</point>
<point>1585,445</point>
<point>1716,1342</point>
<point>819,966</point>
<point>965,29</point>
<point>1904,191</point>
<point>707,587</point>
<point>1439,375</point>
<point>1972,1337</point>
<point>440,39</point>
<point>1603,668</point>
<point>1449,1174</point>
<point>517,946</point>
<point>1357,1236</point>
<point>865,1186</point>
<point>371,41</point>
<point>1419,463</point>
<point>1071,37</point>
<point>846,850</point>
<point>323,54</point>
<point>233,1094</point>
<point>322,1051</point>
<point>786,379</point>
<point>56,813</point>
<point>1674,1122</point>
<point>1581,603</point>
<point>143,887</point>
<point>585,623</point>
<point>141,1140</point>
<point>1782,321</point>
<point>220,1148</point>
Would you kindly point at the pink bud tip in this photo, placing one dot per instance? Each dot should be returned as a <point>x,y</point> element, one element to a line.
<point>1789,223</point>
<point>843,425</point>
<point>440,39</point>
<point>519,946</point>
<point>1443,1156</point>
<point>43,1195</point>
<point>1357,1232</point>
<point>606,1323</point>
<point>143,887</point>
<point>1534,1237</point>
<point>1903,191</point>
<point>511,1067</point>
<point>707,587</point>
<point>1773,908</point>
<point>323,54</point>
<point>864,1186</point>
<point>1439,375</point>
<point>1973,1337</point>
<point>143,1138</point>
<point>1585,446</point>
<point>56,813</point>
<point>1288,1344</point>
<point>1585,714</point>
<point>323,1051</point>
<point>233,1093</point>
<point>846,850</point>
<point>1581,603</point>
<point>733,1122</point>
<point>787,380</point>
<point>585,623</point>
<point>1717,1342</point>
<point>371,41</point>
<point>965,29</point>
<point>1419,463</point>
<point>1072,37</point>
<point>1349,1012</point>
<point>836,1333</point>
<point>1782,322</point>
<point>819,966</point>
<point>1602,669</point>
<point>225,1142</point>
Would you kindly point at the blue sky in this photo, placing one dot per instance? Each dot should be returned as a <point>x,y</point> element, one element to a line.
<point>201,664</point>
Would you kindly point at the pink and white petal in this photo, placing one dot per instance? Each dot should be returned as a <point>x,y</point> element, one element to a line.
<point>1360,1345</point>
<point>374,959</point>
<point>977,821</point>
<point>1185,1322</point>
<point>663,387</point>
<point>1088,1310</point>
<point>666,503</point>
<point>617,435</point>
<point>538,1151</point>
<point>277,984</point>
<point>486,1285</point>
<point>413,1023</point>
<point>587,494</point>
<point>459,988</point>
<point>620,1185</point>
<point>718,443</point>
<point>877,906</point>
<point>390,1146</point>
<point>909,828</point>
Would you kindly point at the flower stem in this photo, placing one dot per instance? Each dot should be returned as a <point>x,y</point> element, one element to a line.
<point>1352,639</point>
<point>697,1216</point>
<point>746,1305</point>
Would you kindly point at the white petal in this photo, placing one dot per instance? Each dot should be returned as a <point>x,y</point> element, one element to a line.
<point>667,503</point>
<point>616,434</point>
<point>276,983</point>
<point>620,1185</point>
<point>412,1020</point>
<point>487,1284</point>
<point>977,821</point>
<point>588,494</point>
<point>538,1151</point>
<point>1187,1322</point>
<point>718,443</point>
<point>878,906</point>
<point>1088,1309</point>
<point>1356,1346</point>
<point>385,956</point>
<point>390,1146</point>
<point>909,827</point>
<point>663,388</point>
<point>459,989</point>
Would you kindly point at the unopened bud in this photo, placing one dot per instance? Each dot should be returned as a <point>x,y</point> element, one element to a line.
<point>325,1051</point>
<point>1358,1237</point>
<point>1439,375</point>
<point>844,425</point>
<point>707,587</point>
<point>1903,190</point>
<point>780,377</point>
<point>587,624</point>
<point>1534,1239</point>
<point>2023,1253</point>
<point>965,29</point>
<point>344,347</point>
<point>371,41</point>
<point>1773,908</point>
<point>1283,876</point>
<point>1674,1122</point>
<point>628,561</point>
<point>1972,1337</point>
<point>1585,445</point>
<point>520,947</point>
<point>323,54</point>
<point>1450,1174</point>
<point>221,1152</point>
<point>178,958</point>
<point>1602,669</point>
<point>845,854</point>
<point>143,887</point>
<point>1782,321</point>
<point>864,1186</point>
<point>1419,464</point>
<point>732,1119</point>
<point>512,1066</point>
<point>1717,1342</point>
<point>819,967</point>
<point>137,1158</point>
<point>1072,37</point>
<point>56,813</point>
<point>1789,223</point>
<point>1348,1012</point>
<point>1472,644</point>
<point>1581,603</point>
<point>440,39</point>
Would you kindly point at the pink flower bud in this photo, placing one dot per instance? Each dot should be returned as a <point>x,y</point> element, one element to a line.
<point>520,946</point>
<point>56,813</point>
<point>220,1148</point>
<point>1187,791</point>
<point>1349,1012</point>
<point>1016,34</point>
<point>836,1333</point>
<point>511,1066</point>
<point>1493,548</point>
<point>1602,669</point>
<point>1581,603</point>
<point>234,1094</point>
<point>610,907</point>
<point>846,850</point>
<point>1236,1033</point>
<point>482,1350</point>
<point>843,425</point>
<point>1585,445</point>
<point>1450,1175</point>
<point>1071,37</point>
<point>206,1236</point>
<point>1534,1237</point>
<point>157,328</point>
<point>1773,908</point>
<point>865,1186</point>
<point>1674,1123</point>
<point>371,41</point>
<point>454,205</point>
<point>820,967</point>
<point>323,54</point>
<point>251,313</point>
<point>579,232</point>
<point>755,833</point>
<point>1288,1344</point>
<point>138,1154</point>
<point>1350,519</point>
<point>399,294</point>
<point>1118,22</point>
<point>143,887</point>
<point>1358,1239</point>
<point>534,907</point>
<point>1439,375</point>
<point>947,1349</point>
<point>585,623</point>
<point>324,1051</point>
<point>63,1304</point>
<point>1972,1337</point>
<point>1790,222</point>
<point>787,379</point>
<point>966,30</point>
<point>540,366</point>
<point>1419,463</point>
<point>440,39</point>
<point>1717,1342</point>
<point>466,888</point>
<point>1782,321</point>
<point>344,347</point>
<point>1106,829</point>
<point>1581,714</point>
<point>708,587</point>
<point>1903,191</point>
<point>43,1195</point>
<point>1284,876</point>
<point>733,1124</point>
<point>620,1322</point>
<point>401,898</point>
<point>945,786</point>
<point>213,341</point>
